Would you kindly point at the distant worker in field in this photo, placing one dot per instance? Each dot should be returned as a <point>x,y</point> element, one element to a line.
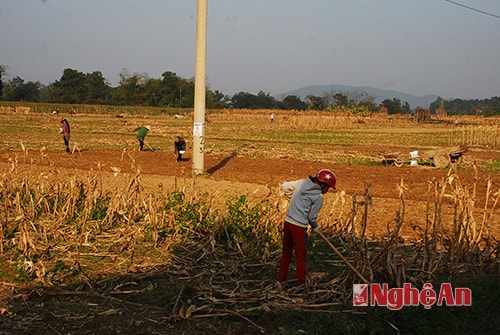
<point>179,148</point>
<point>141,135</point>
<point>65,131</point>
<point>306,200</point>
<point>272,117</point>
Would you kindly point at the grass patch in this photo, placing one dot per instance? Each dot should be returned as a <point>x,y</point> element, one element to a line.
<point>493,166</point>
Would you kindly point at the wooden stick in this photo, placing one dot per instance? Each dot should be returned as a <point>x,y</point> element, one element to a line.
<point>343,258</point>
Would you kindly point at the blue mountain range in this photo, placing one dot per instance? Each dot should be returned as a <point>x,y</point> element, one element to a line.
<point>379,94</point>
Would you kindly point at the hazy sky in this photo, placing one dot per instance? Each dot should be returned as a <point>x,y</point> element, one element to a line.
<point>414,46</point>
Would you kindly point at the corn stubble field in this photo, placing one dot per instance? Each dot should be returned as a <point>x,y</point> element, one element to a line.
<point>100,250</point>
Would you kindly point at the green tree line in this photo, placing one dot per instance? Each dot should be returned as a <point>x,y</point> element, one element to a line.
<point>485,107</point>
<point>170,90</point>
<point>75,87</point>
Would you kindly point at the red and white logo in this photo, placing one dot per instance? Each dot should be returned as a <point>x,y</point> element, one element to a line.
<point>399,297</point>
<point>360,295</point>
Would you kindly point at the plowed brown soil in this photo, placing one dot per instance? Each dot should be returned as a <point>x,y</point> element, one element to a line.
<point>233,175</point>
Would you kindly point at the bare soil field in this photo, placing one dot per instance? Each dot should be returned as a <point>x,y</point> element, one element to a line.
<point>233,175</point>
<point>56,311</point>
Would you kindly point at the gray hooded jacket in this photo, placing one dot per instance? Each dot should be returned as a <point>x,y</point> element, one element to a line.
<point>306,201</point>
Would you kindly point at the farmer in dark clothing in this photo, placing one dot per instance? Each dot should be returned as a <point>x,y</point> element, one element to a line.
<point>179,148</point>
<point>65,131</point>
<point>141,135</point>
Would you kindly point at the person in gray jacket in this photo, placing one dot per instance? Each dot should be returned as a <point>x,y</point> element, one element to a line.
<point>306,201</point>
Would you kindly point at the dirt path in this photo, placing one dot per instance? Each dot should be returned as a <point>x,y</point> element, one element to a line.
<point>261,171</point>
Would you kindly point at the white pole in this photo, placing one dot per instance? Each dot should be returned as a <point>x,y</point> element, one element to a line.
<point>199,89</point>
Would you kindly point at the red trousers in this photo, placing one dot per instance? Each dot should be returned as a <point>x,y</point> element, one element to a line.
<point>294,237</point>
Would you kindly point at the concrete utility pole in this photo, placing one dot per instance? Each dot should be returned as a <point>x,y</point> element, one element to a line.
<point>199,89</point>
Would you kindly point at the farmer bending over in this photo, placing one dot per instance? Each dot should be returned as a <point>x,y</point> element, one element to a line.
<point>141,135</point>
<point>179,148</point>
<point>306,201</point>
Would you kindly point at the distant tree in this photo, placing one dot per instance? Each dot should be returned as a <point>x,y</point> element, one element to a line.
<point>334,98</point>
<point>394,106</point>
<point>98,90</point>
<point>48,94</point>
<point>170,93</point>
<point>248,100</point>
<point>72,88</point>
<point>13,89</point>
<point>152,92</point>
<point>8,89</point>
<point>216,99</point>
<point>128,89</point>
<point>492,107</point>
<point>186,92</point>
<point>31,91</point>
<point>360,98</point>
<point>406,108</point>
<point>242,100</point>
<point>265,101</point>
<point>458,106</point>
<point>316,103</point>
<point>17,90</point>
<point>340,99</point>
<point>293,102</point>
